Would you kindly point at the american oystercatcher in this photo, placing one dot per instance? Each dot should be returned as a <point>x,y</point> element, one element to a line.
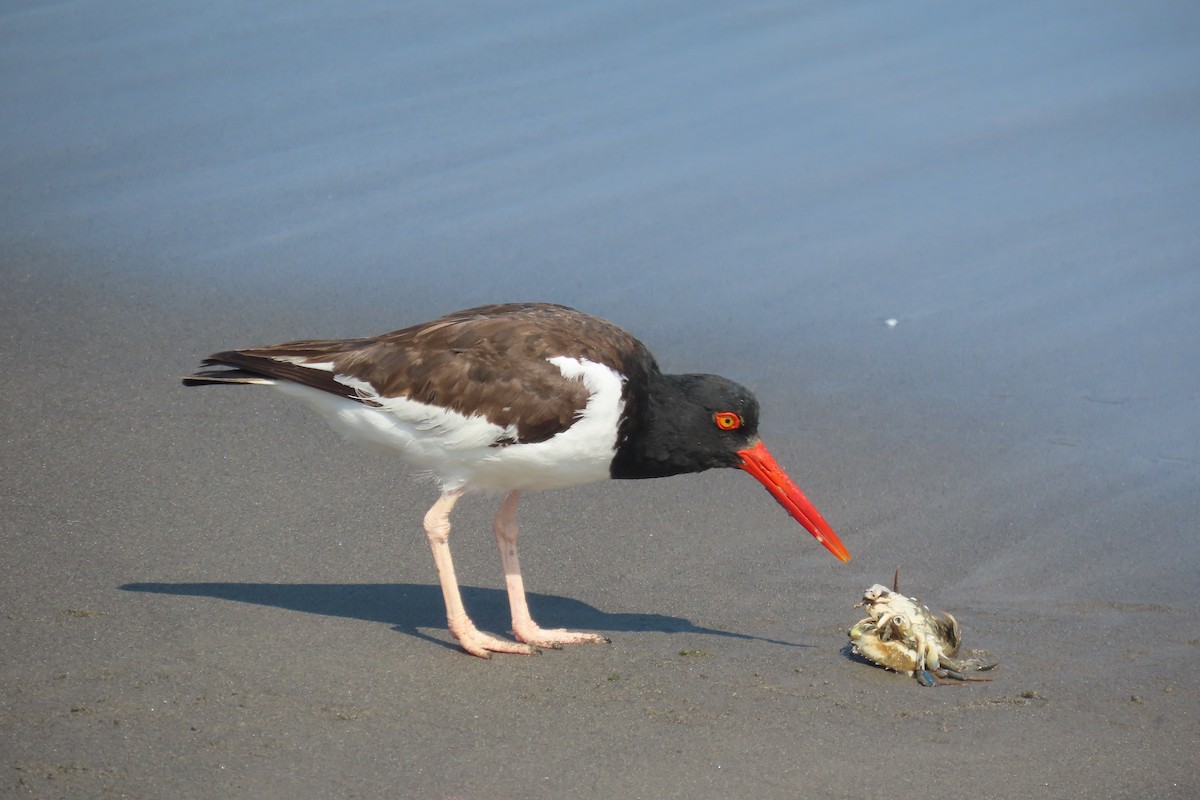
<point>516,397</point>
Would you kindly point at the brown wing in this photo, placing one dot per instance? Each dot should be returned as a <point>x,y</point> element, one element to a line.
<point>490,361</point>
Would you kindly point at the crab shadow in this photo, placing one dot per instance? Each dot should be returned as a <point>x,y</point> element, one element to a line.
<point>413,608</point>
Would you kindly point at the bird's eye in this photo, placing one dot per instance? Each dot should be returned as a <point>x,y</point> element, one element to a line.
<point>727,420</point>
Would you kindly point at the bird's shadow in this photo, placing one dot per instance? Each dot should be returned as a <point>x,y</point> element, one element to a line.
<point>412,608</point>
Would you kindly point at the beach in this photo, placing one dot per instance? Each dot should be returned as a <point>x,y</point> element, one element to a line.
<point>954,251</point>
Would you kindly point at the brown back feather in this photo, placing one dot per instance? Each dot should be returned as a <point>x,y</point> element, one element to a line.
<point>489,360</point>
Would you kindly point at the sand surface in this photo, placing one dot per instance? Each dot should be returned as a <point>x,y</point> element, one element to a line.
<point>205,594</point>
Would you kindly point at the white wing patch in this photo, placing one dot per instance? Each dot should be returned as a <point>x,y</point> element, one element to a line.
<point>301,361</point>
<point>459,449</point>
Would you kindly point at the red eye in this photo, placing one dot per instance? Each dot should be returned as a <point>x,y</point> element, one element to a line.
<point>727,420</point>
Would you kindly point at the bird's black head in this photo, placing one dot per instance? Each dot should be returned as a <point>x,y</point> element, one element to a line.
<point>690,423</point>
<point>687,423</point>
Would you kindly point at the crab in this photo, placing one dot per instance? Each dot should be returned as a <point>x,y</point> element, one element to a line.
<point>901,634</point>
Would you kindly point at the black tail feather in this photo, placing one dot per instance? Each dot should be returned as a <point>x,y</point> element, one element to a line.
<point>219,376</point>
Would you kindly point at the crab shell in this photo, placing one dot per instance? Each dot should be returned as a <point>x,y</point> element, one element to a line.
<point>912,619</point>
<point>902,635</point>
<point>891,654</point>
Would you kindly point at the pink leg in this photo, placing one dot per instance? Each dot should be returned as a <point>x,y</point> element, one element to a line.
<point>525,629</point>
<point>437,528</point>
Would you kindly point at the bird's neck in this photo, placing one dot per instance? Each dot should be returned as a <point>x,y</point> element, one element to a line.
<point>653,441</point>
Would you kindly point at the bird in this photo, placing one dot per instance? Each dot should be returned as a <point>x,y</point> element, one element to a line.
<point>513,398</point>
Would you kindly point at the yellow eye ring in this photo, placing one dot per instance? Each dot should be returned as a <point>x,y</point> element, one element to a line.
<point>727,420</point>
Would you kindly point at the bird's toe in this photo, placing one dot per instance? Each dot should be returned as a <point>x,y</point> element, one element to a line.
<point>557,637</point>
<point>483,645</point>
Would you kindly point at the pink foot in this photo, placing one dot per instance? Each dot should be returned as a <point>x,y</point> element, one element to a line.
<point>481,644</point>
<point>555,638</point>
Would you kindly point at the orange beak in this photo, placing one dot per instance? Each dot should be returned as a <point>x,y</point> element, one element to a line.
<point>759,463</point>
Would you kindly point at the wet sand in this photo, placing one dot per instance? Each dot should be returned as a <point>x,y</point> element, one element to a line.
<point>206,594</point>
